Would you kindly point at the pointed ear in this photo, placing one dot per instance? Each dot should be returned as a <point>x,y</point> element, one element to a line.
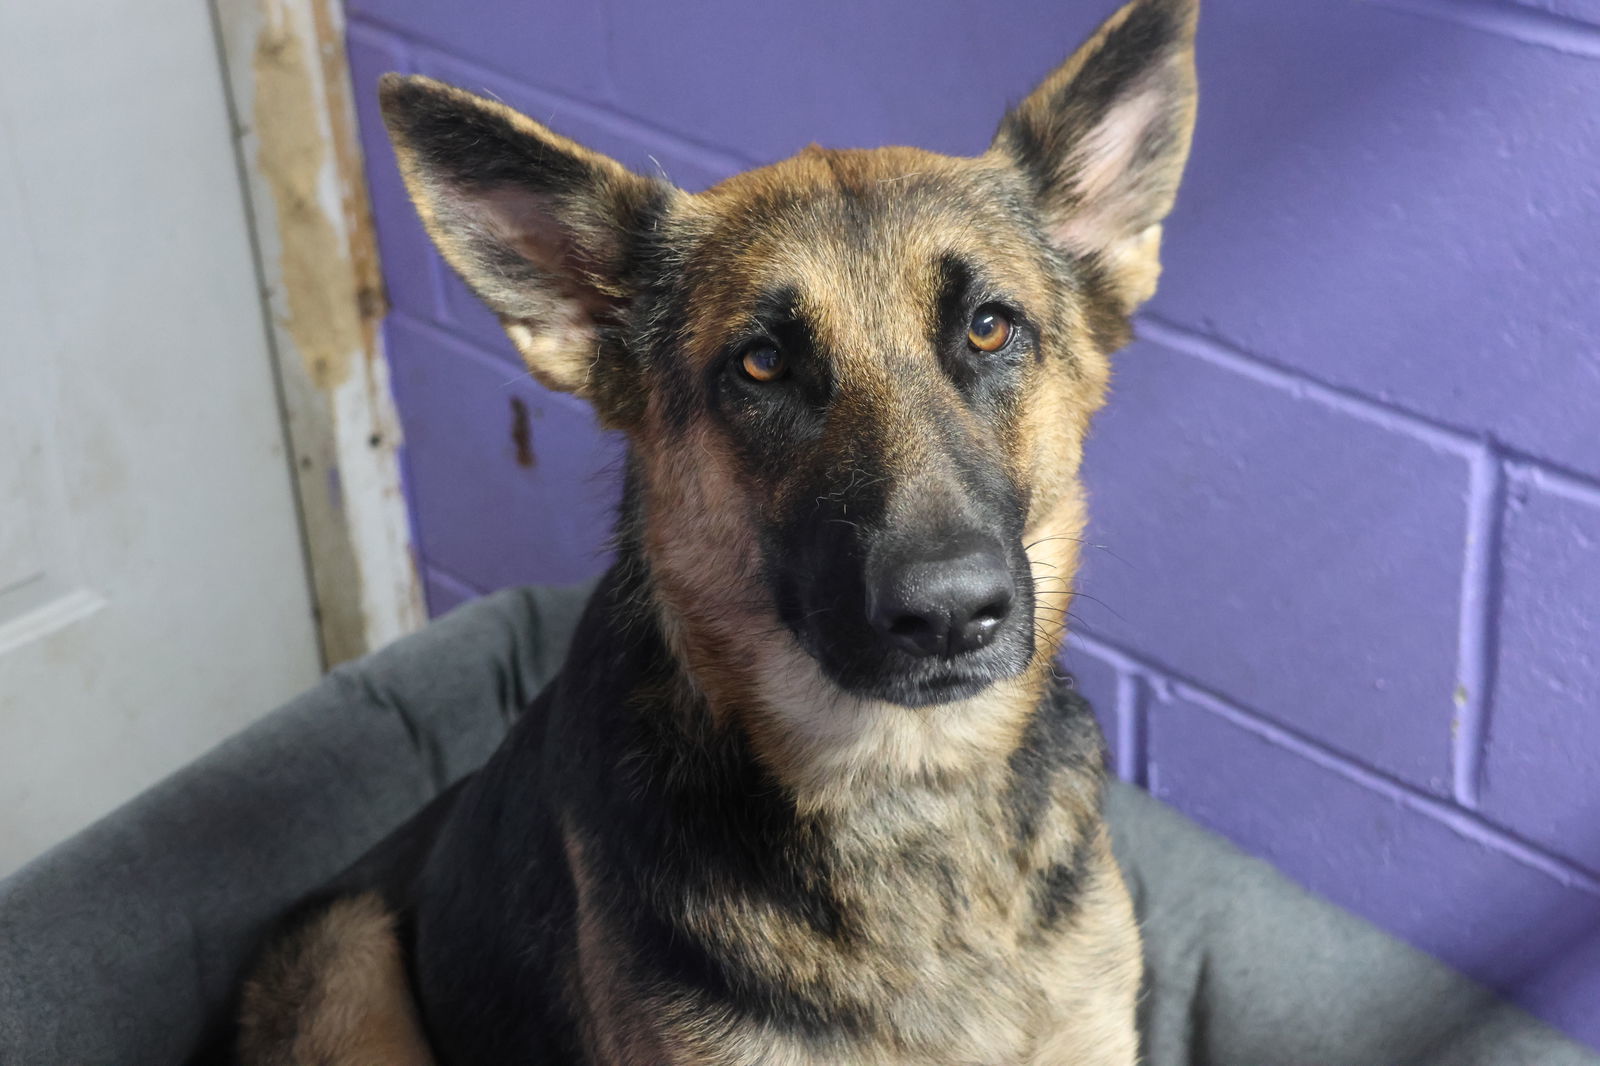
<point>538,226</point>
<point>1104,139</point>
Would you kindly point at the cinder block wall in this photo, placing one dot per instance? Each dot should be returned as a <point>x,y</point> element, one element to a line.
<point>1344,600</point>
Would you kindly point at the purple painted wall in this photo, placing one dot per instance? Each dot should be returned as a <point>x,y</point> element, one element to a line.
<point>1348,491</point>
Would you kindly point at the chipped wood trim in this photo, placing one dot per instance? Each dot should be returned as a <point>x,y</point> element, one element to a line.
<point>295,125</point>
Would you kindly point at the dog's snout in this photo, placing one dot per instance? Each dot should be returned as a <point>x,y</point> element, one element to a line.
<point>943,606</point>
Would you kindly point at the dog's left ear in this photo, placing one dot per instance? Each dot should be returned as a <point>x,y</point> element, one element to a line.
<point>1103,140</point>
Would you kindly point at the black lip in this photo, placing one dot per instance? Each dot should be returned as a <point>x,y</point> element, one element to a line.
<point>895,677</point>
<point>928,692</point>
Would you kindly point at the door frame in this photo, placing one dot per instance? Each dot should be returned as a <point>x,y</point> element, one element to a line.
<point>300,162</point>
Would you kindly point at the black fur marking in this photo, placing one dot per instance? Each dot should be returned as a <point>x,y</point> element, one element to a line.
<point>1061,886</point>
<point>989,380</point>
<point>1063,733</point>
<point>951,309</point>
<point>641,341</point>
<point>771,423</point>
<point>673,813</point>
<point>848,512</point>
<point>475,148</point>
<point>1039,135</point>
<point>1109,327</point>
<point>1150,31</point>
<point>1032,147</point>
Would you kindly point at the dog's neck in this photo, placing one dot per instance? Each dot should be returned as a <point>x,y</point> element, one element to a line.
<point>913,883</point>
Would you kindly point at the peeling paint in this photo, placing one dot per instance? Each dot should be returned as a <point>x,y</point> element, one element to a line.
<point>292,99</point>
<point>323,297</point>
<point>360,241</point>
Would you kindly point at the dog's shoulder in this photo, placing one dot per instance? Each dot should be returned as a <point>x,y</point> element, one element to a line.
<point>494,900</point>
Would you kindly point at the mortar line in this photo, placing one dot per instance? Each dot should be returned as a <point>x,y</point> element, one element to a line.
<point>450,577</point>
<point>1132,753</point>
<point>473,347</point>
<point>1467,824</point>
<point>1525,25</point>
<point>1542,472</point>
<point>1300,385</point>
<point>1476,642</point>
<point>1193,342</point>
<point>607,113</point>
<point>1554,480</point>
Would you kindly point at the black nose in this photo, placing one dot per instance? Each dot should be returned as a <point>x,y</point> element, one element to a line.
<point>943,606</point>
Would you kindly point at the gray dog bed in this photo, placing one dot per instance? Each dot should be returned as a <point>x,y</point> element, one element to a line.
<point>122,945</point>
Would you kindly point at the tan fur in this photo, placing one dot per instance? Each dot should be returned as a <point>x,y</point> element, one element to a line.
<point>334,993</point>
<point>1069,998</point>
<point>1092,975</point>
<point>955,966</point>
<point>822,740</point>
<point>959,987</point>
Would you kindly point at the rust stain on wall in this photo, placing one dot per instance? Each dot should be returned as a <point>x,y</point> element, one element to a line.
<point>522,434</point>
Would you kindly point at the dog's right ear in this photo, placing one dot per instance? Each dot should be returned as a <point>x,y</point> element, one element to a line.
<point>537,225</point>
<point>1103,140</point>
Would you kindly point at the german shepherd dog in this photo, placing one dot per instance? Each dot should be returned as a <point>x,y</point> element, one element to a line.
<point>807,789</point>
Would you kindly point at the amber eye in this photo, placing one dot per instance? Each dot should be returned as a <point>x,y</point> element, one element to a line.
<point>989,329</point>
<point>763,362</point>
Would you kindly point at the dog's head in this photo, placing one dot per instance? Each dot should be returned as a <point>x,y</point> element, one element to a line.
<point>856,382</point>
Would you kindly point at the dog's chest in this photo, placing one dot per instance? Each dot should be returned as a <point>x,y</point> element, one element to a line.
<point>934,949</point>
<point>951,911</point>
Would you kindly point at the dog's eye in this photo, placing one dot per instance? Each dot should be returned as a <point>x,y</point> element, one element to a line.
<point>989,329</point>
<point>763,362</point>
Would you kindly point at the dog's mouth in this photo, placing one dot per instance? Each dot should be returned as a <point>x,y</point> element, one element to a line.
<point>947,686</point>
<point>921,683</point>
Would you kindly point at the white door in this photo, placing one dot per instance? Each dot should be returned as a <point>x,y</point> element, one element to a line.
<point>153,596</point>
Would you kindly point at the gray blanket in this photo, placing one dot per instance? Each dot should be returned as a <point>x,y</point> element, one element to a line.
<point>122,945</point>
